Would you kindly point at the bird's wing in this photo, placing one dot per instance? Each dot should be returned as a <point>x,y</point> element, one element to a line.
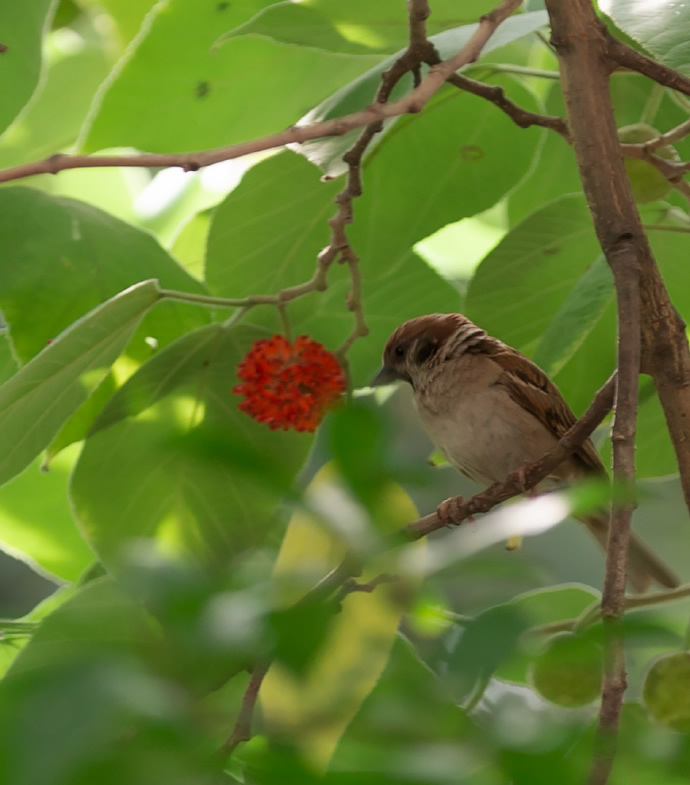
<point>532,389</point>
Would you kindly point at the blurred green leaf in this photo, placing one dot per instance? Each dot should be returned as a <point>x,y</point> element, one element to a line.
<point>172,457</point>
<point>544,607</point>
<point>22,26</point>
<point>38,399</point>
<point>36,521</point>
<point>388,737</point>
<point>478,648</point>
<point>83,689</point>
<point>164,97</point>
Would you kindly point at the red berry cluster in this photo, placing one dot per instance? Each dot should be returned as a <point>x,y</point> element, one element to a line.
<point>289,386</point>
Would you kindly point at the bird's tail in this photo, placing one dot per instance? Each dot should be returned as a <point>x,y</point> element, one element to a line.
<point>644,566</point>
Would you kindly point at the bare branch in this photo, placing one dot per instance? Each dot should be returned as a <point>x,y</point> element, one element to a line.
<point>411,103</point>
<point>626,56</point>
<point>243,726</point>
<point>521,117</point>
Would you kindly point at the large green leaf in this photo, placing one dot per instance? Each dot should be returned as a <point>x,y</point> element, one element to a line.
<point>577,315</point>
<point>659,25</point>
<point>22,26</point>
<point>460,168</point>
<point>521,284</point>
<point>85,690</point>
<point>68,257</point>
<point>283,203</point>
<point>327,153</point>
<point>167,97</point>
<point>100,615</point>
<point>37,400</point>
<point>354,26</point>
<point>127,15</point>
<point>52,121</point>
<point>185,464</point>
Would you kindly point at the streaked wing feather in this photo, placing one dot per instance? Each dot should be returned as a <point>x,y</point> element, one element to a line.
<point>532,389</point>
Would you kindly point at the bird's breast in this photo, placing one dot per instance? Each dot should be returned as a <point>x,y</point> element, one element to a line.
<point>483,433</point>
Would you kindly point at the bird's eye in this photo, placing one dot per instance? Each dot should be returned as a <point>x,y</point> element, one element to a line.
<point>399,351</point>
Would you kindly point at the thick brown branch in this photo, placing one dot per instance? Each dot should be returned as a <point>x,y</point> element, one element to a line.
<point>585,49</point>
<point>527,476</point>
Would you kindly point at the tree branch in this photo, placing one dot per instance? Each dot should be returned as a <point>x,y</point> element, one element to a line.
<point>521,117</point>
<point>626,56</point>
<point>412,103</point>
<point>586,52</point>
<point>583,48</point>
<point>242,730</point>
<point>527,476</point>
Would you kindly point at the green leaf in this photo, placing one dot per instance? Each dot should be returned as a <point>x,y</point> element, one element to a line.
<point>519,287</point>
<point>106,715</point>
<point>488,156</point>
<point>128,15</point>
<point>574,320</point>
<point>8,362</point>
<point>353,26</point>
<point>36,522</point>
<point>327,153</point>
<point>37,400</point>
<point>22,26</point>
<point>172,457</point>
<point>169,98</point>
<point>99,619</point>
<point>387,729</point>
<point>660,26</point>
<point>53,119</point>
<point>69,257</point>
<point>481,646</point>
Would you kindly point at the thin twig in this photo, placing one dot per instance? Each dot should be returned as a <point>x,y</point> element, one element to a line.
<point>626,56</point>
<point>414,102</point>
<point>521,117</point>
<point>527,476</point>
<point>242,730</point>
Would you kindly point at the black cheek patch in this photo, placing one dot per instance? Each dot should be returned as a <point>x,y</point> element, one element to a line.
<point>426,348</point>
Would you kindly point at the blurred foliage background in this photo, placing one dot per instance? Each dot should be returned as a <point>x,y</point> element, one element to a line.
<point>157,543</point>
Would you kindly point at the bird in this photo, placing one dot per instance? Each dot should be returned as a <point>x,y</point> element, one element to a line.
<point>489,410</point>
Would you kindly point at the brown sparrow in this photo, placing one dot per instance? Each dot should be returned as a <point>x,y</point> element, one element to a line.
<point>490,410</point>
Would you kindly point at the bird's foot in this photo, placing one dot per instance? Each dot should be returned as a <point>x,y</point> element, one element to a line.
<point>450,511</point>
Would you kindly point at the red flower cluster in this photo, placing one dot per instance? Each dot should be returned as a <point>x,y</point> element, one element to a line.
<point>289,386</point>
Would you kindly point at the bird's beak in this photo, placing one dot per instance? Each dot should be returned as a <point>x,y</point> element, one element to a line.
<point>386,375</point>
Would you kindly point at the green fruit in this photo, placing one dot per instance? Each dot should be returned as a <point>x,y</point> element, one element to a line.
<point>568,670</point>
<point>666,691</point>
<point>648,184</point>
